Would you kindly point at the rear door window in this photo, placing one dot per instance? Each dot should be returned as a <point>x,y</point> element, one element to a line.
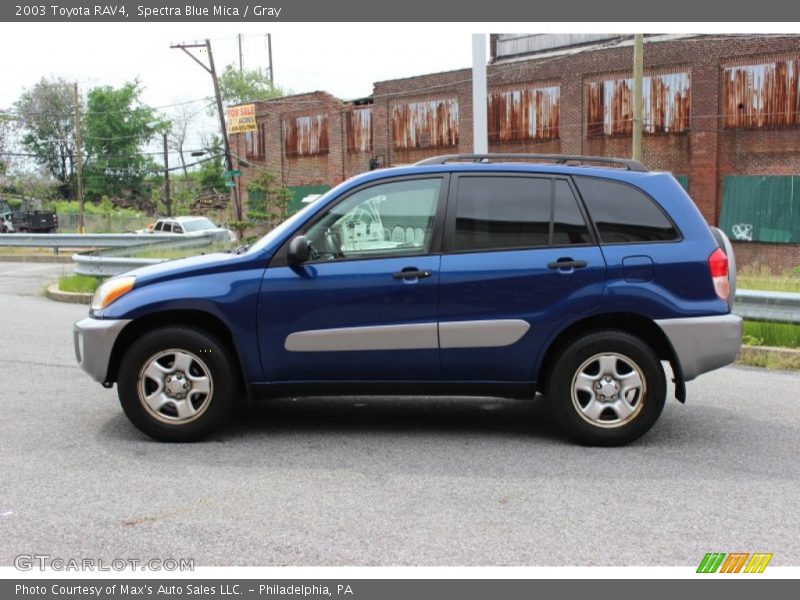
<point>624,214</point>
<point>500,212</point>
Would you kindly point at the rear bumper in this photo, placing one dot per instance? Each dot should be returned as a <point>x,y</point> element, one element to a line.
<point>703,344</point>
<point>94,341</point>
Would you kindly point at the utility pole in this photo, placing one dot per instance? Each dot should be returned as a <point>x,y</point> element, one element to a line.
<point>480,136</point>
<point>167,198</point>
<point>269,50</point>
<point>638,76</point>
<point>237,208</point>
<point>241,62</point>
<point>78,158</point>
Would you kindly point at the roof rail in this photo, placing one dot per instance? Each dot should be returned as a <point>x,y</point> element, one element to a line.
<point>560,159</point>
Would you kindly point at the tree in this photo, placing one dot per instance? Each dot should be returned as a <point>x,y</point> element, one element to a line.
<point>46,116</point>
<point>268,199</point>
<point>249,85</point>
<point>5,135</point>
<point>211,173</point>
<point>179,126</point>
<point>115,127</point>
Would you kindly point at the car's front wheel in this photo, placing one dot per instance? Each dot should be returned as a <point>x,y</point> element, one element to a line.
<point>607,388</point>
<point>177,384</point>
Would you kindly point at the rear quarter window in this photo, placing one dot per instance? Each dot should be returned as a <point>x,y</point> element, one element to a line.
<point>624,214</point>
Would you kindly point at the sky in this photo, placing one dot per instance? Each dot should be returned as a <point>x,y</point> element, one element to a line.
<point>341,59</point>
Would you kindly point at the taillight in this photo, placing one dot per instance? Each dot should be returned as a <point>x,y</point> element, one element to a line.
<point>718,265</point>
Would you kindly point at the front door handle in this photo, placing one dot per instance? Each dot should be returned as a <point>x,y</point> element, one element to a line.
<point>567,263</point>
<point>411,274</point>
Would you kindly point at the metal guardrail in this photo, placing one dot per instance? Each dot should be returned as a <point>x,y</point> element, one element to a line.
<point>113,261</point>
<point>767,306</point>
<point>97,240</point>
<point>107,266</point>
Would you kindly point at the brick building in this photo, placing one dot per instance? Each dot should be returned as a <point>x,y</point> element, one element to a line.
<point>722,113</point>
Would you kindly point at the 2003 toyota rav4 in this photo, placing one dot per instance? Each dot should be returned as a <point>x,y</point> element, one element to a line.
<point>468,275</point>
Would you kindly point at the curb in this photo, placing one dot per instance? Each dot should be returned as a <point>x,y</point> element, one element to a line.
<point>750,354</point>
<point>72,297</point>
<point>36,258</point>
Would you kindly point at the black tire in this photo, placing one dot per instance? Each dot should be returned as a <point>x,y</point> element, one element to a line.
<point>578,414</point>
<point>209,367</point>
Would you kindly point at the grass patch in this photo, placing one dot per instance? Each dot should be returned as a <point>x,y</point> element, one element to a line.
<point>763,333</point>
<point>762,278</point>
<point>760,357</point>
<point>79,283</point>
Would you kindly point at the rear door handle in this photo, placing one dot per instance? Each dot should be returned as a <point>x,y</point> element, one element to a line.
<point>411,274</point>
<point>567,263</point>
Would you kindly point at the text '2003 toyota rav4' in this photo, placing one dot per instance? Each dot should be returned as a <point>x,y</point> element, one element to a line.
<point>468,275</point>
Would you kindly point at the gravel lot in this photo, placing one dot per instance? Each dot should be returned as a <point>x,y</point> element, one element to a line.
<point>389,481</point>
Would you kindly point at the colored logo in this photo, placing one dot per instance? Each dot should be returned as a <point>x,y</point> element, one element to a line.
<point>734,562</point>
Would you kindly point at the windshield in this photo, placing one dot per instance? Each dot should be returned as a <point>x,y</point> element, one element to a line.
<point>198,225</point>
<point>296,218</point>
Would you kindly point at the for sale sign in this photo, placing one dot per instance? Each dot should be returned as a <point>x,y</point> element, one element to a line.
<point>242,118</point>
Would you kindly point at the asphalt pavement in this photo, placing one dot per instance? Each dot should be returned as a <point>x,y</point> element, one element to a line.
<point>381,481</point>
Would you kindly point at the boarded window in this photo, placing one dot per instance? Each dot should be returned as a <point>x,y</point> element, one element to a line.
<point>759,208</point>
<point>429,124</point>
<point>665,99</point>
<point>359,130</point>
<point>305,136</point>
<point>765,95</point>
<point>529,114</point>
<point>256,142</point>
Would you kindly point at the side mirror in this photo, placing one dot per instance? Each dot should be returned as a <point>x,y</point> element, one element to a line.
<point>298,251</point>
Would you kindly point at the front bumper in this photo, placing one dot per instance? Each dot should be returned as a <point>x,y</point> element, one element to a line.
<point>703,344</point>
<point>94,341</point>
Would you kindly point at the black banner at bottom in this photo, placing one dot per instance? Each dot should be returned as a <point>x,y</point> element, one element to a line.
<point>729,588</point>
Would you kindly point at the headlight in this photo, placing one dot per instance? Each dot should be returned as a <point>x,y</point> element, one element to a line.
<point>111,290</point>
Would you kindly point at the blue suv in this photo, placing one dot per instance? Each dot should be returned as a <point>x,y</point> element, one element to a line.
<point>500,275</point>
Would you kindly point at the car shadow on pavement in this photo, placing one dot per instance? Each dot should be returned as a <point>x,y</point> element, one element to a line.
<point>395,414</point>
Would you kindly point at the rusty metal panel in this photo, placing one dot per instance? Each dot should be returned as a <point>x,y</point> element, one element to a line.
<point>666,99</point>
<point>256,142</point>
<point>763,95</point>
<point>305,136</point>
<point>528,114</point>
<point>428,124</point>
<point>359,130</point>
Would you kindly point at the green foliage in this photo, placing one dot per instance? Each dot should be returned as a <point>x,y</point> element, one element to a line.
<point>240,227</point>
<point>211,175</point>
<point>103,208</point>
<point>268,200</point>
<point>5,135</point>
<point>116,126</point>
<point>767,333</point>
<point>46,119</point>
<point>751,340</point>
<point>763,278</point>
<point>249,85</point>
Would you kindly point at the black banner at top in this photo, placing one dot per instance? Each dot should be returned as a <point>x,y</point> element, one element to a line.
<point>399,11</point>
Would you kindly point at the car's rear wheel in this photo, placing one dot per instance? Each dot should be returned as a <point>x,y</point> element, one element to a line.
<point>607,388</point>
<point>177,384</point>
